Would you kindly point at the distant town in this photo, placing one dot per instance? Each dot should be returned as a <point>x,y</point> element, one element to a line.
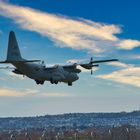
<point>76,120</point>
<point>73,126</point>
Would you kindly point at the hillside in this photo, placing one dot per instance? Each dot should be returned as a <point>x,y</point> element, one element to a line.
<point>77,120</point>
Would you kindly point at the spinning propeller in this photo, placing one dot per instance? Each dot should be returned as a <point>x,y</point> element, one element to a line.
<point>91,62</point>
<point>89,65</point>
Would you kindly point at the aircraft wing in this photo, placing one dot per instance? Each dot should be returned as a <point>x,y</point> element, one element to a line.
<point>102,61</point>
<point>20,61</point>
<point>89,65</point>
<point>93,63</point>
<point>73,67</point>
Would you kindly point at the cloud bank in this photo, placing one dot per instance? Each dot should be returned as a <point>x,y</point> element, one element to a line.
<point>68,32</point>
<point>128,74</point>
<point>7,92</point>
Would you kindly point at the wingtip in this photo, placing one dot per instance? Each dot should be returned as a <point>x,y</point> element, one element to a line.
<point>116,59</point>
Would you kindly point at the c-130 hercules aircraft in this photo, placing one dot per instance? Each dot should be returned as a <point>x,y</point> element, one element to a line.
<point>39,72</point>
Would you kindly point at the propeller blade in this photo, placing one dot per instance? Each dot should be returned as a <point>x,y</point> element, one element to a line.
<point>43,62</point>
<point>91,60</point>
<point>91,71</point>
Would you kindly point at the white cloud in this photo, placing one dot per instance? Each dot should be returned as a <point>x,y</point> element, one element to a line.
<point>15,76</point>
<point>9,92</point>
<point>81,61</point>
<point>120,64</point>
<point>67,32</point>
<point>57,95</point>
<point>128,44</point>
<point>72,61</point>
<point>86,70</point>
<point>136,56</point>
<point>129,75</point>
<point>8,74</point>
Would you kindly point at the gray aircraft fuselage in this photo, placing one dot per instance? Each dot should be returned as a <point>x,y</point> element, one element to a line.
<point>39,72</point>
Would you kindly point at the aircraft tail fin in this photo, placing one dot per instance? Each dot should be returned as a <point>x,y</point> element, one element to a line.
<point>13,52</point>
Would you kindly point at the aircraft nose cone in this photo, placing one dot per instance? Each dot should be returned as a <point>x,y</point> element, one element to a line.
<point>73,77</point>
<point>76,77</point>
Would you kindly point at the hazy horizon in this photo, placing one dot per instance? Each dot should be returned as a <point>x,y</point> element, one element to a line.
<point>61,31</point>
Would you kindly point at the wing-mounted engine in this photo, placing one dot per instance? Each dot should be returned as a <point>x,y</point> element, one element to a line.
<point>92,63</point>
<point>89,65</point>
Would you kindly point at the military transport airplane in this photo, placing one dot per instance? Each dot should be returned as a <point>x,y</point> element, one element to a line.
<point>39,72</point>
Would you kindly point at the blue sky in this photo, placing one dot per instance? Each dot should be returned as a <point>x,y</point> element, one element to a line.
<point>57,31</point>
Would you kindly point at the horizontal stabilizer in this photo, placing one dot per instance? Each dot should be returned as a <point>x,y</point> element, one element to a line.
<point>19,61</point>
<point>26,61</point>
<point>3,62</point>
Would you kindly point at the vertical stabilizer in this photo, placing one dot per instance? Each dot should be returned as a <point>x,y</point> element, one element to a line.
<point>13,53</point>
